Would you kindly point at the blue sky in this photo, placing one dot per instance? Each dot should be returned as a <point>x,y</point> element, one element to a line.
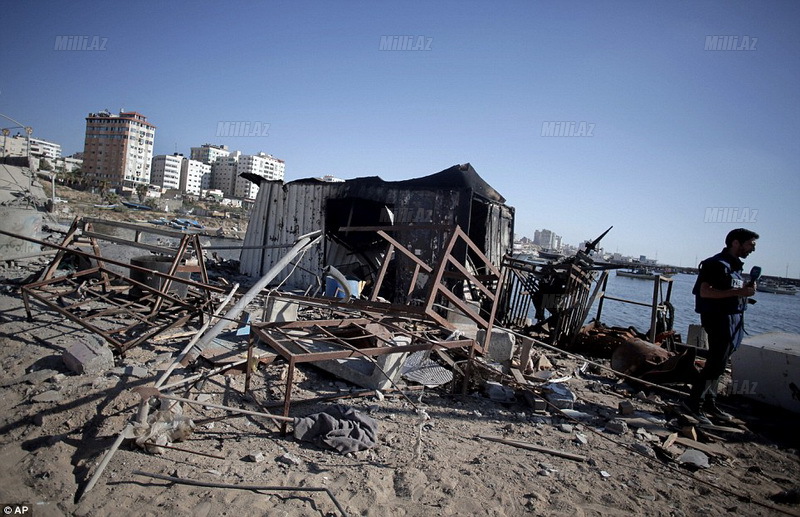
<point>677,131</point>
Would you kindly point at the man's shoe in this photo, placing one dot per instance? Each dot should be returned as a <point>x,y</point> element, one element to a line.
<point>696,413</point>
<point>711,409</point>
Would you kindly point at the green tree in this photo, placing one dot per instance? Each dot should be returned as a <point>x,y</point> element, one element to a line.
<point>141,191</point>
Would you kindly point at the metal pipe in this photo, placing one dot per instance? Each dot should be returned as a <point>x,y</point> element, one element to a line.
<point>301,244</point>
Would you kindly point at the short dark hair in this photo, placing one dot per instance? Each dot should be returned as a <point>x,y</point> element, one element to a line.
<point>741,235</point>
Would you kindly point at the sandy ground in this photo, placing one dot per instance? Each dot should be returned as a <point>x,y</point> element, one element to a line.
<point>56,425</point>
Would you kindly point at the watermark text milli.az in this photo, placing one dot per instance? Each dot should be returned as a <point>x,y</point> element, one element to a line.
<point>236,128</point>
<point>86,43</point>
<point>423,43</point>
<point>567,128</point>
<point>746,43</point>
<point>730,214</point>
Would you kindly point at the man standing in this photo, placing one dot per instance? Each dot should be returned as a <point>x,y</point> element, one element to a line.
<point>721,299</point>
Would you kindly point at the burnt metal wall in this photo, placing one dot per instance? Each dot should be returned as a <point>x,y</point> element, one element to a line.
<point>284,212</point>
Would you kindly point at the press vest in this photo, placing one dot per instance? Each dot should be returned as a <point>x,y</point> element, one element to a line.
<point>722,272</point>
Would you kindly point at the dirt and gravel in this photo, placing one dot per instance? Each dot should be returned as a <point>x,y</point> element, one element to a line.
<point>430,457</point>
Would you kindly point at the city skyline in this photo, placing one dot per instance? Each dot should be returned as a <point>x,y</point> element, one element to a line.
<point>672,122</point>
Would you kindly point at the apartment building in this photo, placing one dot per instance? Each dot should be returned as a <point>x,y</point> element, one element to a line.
<point>227,173</point>
<point>166,170</point>
<point>208,153</point>
<point>195,176</point>
<point>17,145</point>
<point>118,149</point>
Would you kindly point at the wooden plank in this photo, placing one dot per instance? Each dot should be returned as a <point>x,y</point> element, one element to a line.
<point>518,376</point>
<point>708,448</point>
<point>532,447</point>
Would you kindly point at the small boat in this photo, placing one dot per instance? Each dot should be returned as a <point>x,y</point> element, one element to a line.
<point>550,254</point>
<point>106,207</point>
<point>189,222</point>
<point>136,206</point>
<point>769,287</point>
<point>637,273</point>
<point>160,222</point>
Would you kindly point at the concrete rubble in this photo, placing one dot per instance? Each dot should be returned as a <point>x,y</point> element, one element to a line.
<point>420,339</point>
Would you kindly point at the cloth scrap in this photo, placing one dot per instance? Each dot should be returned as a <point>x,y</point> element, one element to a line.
<point>339,427</point>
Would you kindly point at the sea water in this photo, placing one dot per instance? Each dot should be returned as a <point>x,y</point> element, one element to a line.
<point>771,312</point>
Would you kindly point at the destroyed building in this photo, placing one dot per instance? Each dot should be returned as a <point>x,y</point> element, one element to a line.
<point>22,206</point>
<point>424,211</point>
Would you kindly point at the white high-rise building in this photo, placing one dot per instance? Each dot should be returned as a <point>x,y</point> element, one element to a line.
<point>227,171</point>
<point>547,239</point>
<point>17,145</point>
<point>208,153</point>
<point>195,176</point>
<point>166,170</point>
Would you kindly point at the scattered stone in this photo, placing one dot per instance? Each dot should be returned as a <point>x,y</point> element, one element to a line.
<point>695,458</point>
<point>605,474</point>
<point>289,459</point>
<point>626,407</point>
<point>578,415</point>
<point>643,449</point>
<point>594,386</point>
<point>255,458</point>
<point>137,371</point>
<point>130,371</point>
<point>565,428</point>
<point>499,393</point>
<point>559,395</point>
<point>641,395</point>
<point>90,356</point>
<point>39,376</point>
<point>49,396</point>
<point>581,439</point>
<point>616,426</point>
<point>643,434</point>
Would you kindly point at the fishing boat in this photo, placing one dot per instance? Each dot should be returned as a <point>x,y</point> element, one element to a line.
<point>186,223</point>
<point>550,254</point>
<point>136,206</point>
<point>636,273</point>
<point>771,287</point>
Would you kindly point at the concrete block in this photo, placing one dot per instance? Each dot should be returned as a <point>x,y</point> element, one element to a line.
<point>616,426</point>
<point>457,317</point>
<point>364,372</point>
<point>559,395</point>
<point>766,368</point>
<point>697,337</point>
<point>280,310</point>
<point>625,407</point>
<point>90,356</point>
<point>500,347</point>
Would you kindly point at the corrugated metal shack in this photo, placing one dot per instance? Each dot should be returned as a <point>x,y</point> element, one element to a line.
<point>432,204</point>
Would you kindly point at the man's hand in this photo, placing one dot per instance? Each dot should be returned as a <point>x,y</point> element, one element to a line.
<point>748,290</point>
